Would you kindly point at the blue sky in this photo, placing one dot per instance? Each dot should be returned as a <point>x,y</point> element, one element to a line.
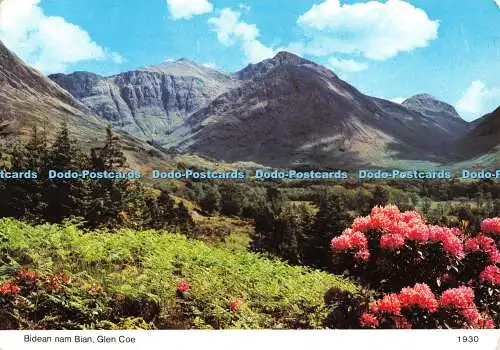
<point>387,48</point>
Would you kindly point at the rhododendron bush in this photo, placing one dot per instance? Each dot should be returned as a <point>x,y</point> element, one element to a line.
<point>455,279</point>
<point>419,307</point>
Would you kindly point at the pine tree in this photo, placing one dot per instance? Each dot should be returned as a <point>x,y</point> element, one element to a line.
<point>108,205</point>
<point>25,198</point>
<point>185,222</point>
<point>331,220</point>
<point>164,214</point>
<point>66,197</point>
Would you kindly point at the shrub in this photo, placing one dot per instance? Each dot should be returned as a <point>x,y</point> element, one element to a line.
<point>389,250</point>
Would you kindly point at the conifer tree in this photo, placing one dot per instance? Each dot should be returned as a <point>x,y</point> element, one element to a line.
<point>25,198</point>
<point>185,222</point>
<point>331,220</point>
<point>164,214</point>
<point>108,204</point>
<point>66,197</point>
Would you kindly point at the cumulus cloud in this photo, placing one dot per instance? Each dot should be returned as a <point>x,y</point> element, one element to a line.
<point>346,65</point>
<point>186,9</point>
<point>231,30</point>
<point>478,100</point>
<point>376,30</point>
<point>48,43</point>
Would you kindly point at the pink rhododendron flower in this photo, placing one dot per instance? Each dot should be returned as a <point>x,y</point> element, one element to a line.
<point>341,243</point>
<point>459,298</point>
<point>358,239</point>
<point>491,274</point>
<point>363,255</point>
<point>471,314</point>
<point>420,295</point>
<point>491,225</point>
<point>9,288</point>
<point>486,323</point>
<point>389,304</point>
<point>447,236</point>
<point>368,320</point>
<point>392,241</point>
<point>485,244</point>
<point>362,224</point>
<point>183,287</point>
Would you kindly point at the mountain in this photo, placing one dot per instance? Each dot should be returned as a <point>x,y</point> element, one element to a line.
<point>431,107</point>
<point>482,141</point>
<point>28,99</point>
<point>150,101</point>
<point>290,111</point>
<point>443,113</point>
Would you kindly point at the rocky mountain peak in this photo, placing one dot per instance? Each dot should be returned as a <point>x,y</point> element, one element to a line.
<point>281,58</point>
<point>430,106</point>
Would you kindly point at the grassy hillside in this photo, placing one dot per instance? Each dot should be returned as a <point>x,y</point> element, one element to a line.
<point>130,279</point>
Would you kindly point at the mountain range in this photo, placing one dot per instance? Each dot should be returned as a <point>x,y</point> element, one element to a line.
<point>284,112</point>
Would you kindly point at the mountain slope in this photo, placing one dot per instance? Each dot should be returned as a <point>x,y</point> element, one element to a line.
<point>28,99</point>
<point>482,142</point>
<point>291,112</point>
<point>148,102</point>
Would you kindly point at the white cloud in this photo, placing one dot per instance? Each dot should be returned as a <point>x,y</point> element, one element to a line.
<point>374,29</point>
<point>346,65</point>
<point>48,43</point>
<point>231,30</point>
<point>478,100</point>
<point>209,65</point>
<point>398,100</point>
<point>497,2</point>
<point>186,9</point>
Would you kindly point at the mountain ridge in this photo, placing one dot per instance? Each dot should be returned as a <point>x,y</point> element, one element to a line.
<point>283,111</point>
<point>149,101</point>
<point>354,128</point>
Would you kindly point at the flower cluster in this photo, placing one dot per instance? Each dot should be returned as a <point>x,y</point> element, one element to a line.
<point>491,226</point>
<point>389,304</point>
<point>368,320</point>
<point>235,304</point>
<point>402,308</point>
<point>396,228</point>
<point>56,280</point>
<point>9,288</point>
<point>491,275</point>
<point>355,241</point>
<point>27,275</point>
<point>183,287</point>
<point>482,243</point>
<point>458,298</point>
<point>462,300</point>
<point>419,296</point>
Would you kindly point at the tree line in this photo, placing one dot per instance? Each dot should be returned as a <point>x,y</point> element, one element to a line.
<point>108,203</point>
